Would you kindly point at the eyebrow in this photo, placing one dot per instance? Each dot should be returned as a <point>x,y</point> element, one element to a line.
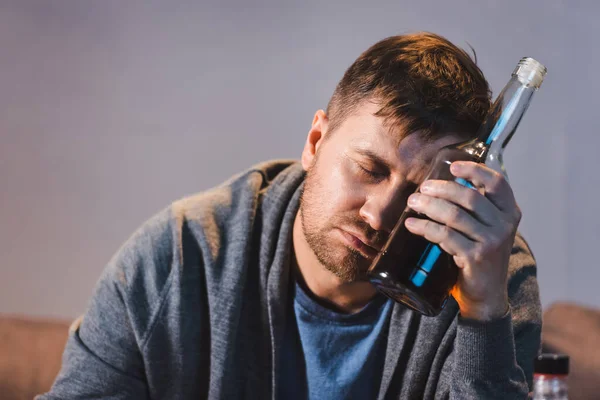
<point>374,157</point>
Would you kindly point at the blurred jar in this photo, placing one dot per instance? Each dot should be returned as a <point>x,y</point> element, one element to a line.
<point>550,377</point>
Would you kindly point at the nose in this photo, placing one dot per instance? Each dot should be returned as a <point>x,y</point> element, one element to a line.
<point>381,210</point>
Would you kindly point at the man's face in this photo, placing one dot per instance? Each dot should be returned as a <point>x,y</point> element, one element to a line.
<point>357,185</point>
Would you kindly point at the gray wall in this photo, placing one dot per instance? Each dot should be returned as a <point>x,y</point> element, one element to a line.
<point>110,110</point>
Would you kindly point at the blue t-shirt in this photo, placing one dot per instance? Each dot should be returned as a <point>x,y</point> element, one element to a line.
<point>333,355</point>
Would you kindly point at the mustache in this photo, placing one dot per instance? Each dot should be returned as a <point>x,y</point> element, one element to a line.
<point>375,237</point>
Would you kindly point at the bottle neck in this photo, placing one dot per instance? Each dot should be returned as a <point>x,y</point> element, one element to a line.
<point>504,116</point>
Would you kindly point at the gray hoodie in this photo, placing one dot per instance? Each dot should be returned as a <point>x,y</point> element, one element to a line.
<point>193,306</point>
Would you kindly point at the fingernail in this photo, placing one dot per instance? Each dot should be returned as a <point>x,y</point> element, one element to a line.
<point>413,200</point>
<point>410,222</point>
<point>456,167</point>
<point>426,187</point>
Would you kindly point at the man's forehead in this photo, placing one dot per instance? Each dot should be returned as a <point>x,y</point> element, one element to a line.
<point>415,154</point>
<point>392,142</point>
<point>416,147</point>
<point>413,148</point>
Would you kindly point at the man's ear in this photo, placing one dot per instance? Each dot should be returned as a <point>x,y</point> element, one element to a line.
<point>315,138</point>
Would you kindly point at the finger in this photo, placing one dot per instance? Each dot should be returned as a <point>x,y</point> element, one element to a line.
<point>496,187</point>
<point>451,241</point>
<point>450,214</point>
<point>480,207</point>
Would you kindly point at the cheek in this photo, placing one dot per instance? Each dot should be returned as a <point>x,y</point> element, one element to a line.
<point>344,192</point>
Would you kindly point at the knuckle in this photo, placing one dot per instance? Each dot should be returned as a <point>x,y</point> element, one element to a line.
<point>429,231</point>
<point>471,199</point>
<point>454,214</point>
<point>510,230</point>
<point>506,231</point>
<point>518,214</point>
<point>428,226</point>
<point>497,181</point>
<point>444,232</point>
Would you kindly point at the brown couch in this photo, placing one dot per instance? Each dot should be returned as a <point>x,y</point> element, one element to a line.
<point>31,349</point>
<point>575,330</point>
<point>30,355</point>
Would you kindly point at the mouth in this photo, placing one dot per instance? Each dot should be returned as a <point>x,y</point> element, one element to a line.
<point>353,241</point>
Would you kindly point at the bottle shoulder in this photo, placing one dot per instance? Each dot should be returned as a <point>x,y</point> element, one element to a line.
<point>464,153</point>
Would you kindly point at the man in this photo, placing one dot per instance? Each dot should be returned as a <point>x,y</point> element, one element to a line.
<point>256,289</point>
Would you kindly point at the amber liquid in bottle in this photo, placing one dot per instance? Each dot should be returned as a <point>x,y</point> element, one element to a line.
<point>431,280</point>
<point>413,271</point>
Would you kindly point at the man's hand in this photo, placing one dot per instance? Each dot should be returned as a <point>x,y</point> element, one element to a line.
<point>476,227</point>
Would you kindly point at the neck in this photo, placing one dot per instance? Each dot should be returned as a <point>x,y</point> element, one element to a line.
<point>324,285</point>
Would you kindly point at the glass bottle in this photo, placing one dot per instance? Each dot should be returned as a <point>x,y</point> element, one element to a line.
<point>550,377</point>
<point>411,270</point>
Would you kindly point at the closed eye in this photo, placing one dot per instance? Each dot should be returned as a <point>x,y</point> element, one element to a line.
<point>373,173</point>
<point>372,164</point>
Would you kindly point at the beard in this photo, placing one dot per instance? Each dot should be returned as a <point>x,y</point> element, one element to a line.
<point>318,227</point>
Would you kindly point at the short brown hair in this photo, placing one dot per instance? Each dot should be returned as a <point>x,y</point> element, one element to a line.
<point>422,81</point>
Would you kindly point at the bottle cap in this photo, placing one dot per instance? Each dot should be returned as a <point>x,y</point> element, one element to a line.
<point>552,364</point>
<point>530,72</point>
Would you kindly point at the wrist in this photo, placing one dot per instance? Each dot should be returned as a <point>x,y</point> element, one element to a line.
<point>485,311</point>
